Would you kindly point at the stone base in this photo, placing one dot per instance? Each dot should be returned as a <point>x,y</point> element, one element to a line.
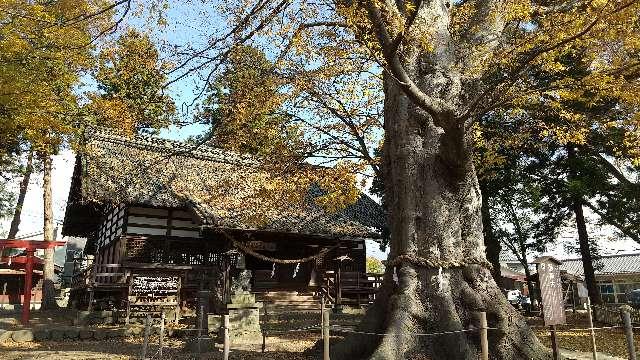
<point>244,320</point>
<point>206,344</point>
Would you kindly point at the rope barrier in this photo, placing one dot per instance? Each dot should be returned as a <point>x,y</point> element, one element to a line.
<point>579,329</point>
<point>338,328</point>
<point>433,263</point>
<point>314,327</point>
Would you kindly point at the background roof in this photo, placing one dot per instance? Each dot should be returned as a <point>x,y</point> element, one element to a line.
<point>611,264</point>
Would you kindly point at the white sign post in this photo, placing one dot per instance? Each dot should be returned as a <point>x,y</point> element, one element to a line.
<point>550,286</point>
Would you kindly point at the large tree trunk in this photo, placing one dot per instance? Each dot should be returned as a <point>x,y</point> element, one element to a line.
<point>436,252</point>
<point>24,185</point>
<point>493,246</point>
<point>585,253</point>
<point>48,288</point>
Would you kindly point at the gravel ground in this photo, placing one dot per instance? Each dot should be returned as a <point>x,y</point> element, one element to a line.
<point>281,342</point>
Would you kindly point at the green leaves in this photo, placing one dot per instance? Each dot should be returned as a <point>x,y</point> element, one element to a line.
<point>243,108</point>
<point>131,85</point>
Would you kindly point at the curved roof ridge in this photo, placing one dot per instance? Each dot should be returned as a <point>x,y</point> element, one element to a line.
<point>172,147</point>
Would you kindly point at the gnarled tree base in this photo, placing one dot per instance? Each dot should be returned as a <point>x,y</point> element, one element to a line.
<point>427,301</point>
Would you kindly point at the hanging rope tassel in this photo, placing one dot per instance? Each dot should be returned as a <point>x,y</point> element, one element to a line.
<point>273,270</point>
<point>295,271</point>
<point>439,279</point>
<point>395,275</point>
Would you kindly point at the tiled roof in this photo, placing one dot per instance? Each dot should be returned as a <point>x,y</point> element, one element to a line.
<point>610,264</point>
<point>222,187</point>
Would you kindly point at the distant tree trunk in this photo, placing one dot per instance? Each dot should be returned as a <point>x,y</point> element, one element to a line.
<point>583,235</point>
<point>24,185</point>
<point>527,272</point>
<point>48,287</point>
<point>493,246</point>
<point>435,220</point>
<point>585,253</point>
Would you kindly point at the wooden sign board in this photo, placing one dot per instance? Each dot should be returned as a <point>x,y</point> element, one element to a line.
<point>551,290</point>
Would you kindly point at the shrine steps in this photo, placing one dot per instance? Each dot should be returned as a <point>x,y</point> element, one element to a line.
<point>288,301</point>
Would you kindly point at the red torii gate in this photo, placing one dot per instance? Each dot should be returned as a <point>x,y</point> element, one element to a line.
<point>30,246</point>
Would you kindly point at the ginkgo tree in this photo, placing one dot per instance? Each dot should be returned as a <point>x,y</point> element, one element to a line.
<point>446,64</point>
<point>44,47</point>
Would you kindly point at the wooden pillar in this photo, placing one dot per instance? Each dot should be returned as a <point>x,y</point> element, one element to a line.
<point>28,273</point>
<point>338,306</point>
<point>628,332</point>
<point>484,342</point>
<point>325,334</point>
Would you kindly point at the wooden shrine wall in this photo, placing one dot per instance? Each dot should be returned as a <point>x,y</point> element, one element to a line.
<point>155,221</point>
<point>112,226</point>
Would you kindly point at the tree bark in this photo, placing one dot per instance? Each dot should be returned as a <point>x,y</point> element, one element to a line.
<point>436,229</point>
<point>48,287</point>
<point>493,246</point>
<point>585,253</point>
<point>24,185</point>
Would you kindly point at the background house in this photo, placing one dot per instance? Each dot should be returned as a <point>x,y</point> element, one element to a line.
<point>616,275</point>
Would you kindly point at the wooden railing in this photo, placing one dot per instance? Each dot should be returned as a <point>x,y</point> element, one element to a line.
<point>611,315</point>
<point>110,274</point>
<point>99,275</point>
<point>350,287</point>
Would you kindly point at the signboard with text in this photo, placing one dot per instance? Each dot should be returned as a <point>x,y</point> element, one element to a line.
<point>551,291</point>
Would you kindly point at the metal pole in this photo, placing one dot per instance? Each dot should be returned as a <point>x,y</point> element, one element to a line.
<point>593,334</point>
<point>161,333</point>
<point>628,332</point>
<point>484,341</point>
<point>225,354</point>
<point>145,344</point>
<point>325,333</point>
<point>554,342</point>
<point>200,317</point>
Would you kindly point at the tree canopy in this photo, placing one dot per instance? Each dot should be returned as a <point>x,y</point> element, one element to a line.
<point>131,86</point>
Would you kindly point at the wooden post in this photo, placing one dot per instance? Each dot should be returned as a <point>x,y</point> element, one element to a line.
<point>325,334</point>
<point>554,342</point>
<point>628,332</point>
<point>161,334</point>
<point>322,307</point>
<point>145,344</point>
<point>225,352</point>
<point>484,341</point>
<point>200,317</point>
<point>338,306</point>
<point>28,273</point>
<point>593,335</point>
<point>264,331</point>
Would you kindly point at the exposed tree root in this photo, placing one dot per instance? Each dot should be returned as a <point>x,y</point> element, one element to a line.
<point>434,301</point>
